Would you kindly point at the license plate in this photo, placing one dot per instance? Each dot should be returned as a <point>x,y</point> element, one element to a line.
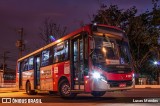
<point>122,85</point>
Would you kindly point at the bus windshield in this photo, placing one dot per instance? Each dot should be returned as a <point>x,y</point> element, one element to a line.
<point>110,51</point>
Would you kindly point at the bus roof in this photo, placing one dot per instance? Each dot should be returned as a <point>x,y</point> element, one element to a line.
<point>85,28</point>
<point>114,27</point>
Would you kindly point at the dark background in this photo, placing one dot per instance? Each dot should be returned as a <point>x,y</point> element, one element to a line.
<point>30,14</point>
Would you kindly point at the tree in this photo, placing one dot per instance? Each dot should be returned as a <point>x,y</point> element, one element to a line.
<point>51,31</point>
<point>141,29</point>
<point>114,16</point>
<point>143,40</point>
<point>156,13</point>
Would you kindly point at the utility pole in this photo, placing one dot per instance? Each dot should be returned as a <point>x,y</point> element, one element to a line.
<point>20,43</point>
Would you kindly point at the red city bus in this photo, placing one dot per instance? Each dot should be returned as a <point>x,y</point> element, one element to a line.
<point>93,59</point>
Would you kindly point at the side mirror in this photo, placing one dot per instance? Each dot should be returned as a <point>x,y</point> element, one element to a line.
<point>94,26</point>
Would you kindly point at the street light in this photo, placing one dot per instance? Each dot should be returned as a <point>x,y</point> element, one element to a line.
<point>157,63</point>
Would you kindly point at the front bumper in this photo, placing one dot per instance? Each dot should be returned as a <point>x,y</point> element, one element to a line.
<point>102,85</point>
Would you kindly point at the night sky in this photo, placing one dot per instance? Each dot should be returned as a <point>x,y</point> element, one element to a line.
<point>30,14</point>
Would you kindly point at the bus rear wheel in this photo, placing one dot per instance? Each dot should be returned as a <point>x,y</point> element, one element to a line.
<point>64,89</point>
<point>28,89</point>
<point>98,93</point>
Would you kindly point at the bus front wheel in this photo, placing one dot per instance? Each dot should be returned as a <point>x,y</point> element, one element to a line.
<point>98,93</point>
<point>64,89</point>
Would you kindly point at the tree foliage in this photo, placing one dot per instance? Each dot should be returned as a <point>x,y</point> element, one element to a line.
<point>143,31</point>
<point>50,28</point>
<point>114,16</point>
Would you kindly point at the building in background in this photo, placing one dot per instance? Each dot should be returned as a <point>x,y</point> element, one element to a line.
<point>7,75</point>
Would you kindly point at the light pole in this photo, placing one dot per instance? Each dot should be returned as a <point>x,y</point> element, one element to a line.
<point>20,43</point>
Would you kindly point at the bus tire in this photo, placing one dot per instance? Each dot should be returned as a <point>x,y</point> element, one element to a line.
<point>28,89</point>
<point>98,93</point>
<point>64,89</point>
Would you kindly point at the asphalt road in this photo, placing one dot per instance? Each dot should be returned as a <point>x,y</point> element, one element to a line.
<point>127,98</point>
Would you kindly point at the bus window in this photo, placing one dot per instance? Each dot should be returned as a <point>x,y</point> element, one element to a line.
<point>25,66</point>
<point>66,50</point>
<point>60,52</point>
<point>30,63</point>
<point>45,57</point>
<point>18,67</point>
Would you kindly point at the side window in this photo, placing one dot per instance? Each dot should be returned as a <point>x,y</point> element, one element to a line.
<point>18,67</point>
<point>60,52</point>
<point>25,66</point>
<point>30,63</point>
<point>46,58</point>
<point>66,53</point>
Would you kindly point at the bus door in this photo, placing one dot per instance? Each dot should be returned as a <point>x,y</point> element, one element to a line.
<point>37,72</point>
<point>77,61</point>
<point>20,70</point>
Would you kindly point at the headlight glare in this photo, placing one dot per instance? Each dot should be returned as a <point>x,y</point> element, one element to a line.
<point>96,75</point>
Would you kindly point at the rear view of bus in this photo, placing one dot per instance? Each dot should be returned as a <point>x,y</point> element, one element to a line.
<point>111,60</point>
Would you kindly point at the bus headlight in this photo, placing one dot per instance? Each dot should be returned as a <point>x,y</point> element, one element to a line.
<point>96,75</point>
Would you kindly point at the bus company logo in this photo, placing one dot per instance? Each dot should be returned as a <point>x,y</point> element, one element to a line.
<point>19,100</point>
<point>6,100</point>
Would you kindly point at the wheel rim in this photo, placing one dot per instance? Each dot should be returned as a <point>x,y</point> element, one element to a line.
<point>65,89</point>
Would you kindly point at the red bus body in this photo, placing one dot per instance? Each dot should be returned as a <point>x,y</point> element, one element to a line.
<point>70,59</point>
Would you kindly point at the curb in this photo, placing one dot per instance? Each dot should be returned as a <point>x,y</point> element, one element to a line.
<point>147,86</point>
